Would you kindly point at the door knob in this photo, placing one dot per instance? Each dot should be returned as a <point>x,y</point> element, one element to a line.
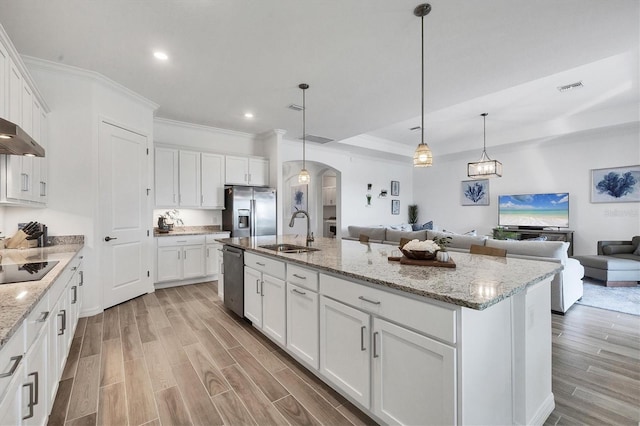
<point>107,239</point>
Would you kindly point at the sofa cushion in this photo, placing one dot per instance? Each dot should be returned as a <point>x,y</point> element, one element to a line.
<point>458,241</point>
<point>396,235</point>
<point>608,263</point>
<point>552,249</point>
<point>617,249</point>
<point>420,227</point>
<point>374,233</point>
<point>401,227</point>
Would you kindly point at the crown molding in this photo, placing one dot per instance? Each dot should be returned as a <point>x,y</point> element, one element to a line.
<point>89,75</point>
<point>202,127</point>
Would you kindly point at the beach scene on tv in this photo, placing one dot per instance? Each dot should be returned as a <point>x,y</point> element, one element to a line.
<point>534,210</point>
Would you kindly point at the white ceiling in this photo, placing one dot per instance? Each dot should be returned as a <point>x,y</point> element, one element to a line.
<point>361,59</point>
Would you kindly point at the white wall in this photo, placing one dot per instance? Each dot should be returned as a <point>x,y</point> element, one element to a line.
<point>356,171</point>
<point>560,164</point>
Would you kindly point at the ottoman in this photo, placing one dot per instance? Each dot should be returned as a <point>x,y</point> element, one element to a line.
<point>613,270</point>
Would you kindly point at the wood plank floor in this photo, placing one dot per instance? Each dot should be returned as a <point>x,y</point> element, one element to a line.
<point>179,357</point>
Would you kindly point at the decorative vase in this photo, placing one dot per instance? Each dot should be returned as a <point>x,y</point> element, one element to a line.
<point>161,222</point>
<point>442,256</point>
<point>368,199</point>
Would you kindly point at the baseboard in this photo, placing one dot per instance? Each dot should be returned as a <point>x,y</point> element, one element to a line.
<point>544,411</point>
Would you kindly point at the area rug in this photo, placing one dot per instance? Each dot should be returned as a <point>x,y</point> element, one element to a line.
<point>620,299</point>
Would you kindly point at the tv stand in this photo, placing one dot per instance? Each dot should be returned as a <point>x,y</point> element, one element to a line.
<point>524,234</point>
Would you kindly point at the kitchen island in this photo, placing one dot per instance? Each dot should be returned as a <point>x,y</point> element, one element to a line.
<point>409,344</point>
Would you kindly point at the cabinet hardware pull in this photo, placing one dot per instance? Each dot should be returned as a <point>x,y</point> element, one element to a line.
<point>185,255</point>
<point>368,300</point>
<point>260,264</point>
<point>74,268</point>
<point>295,290</point>
<point>43,316</point>
<point>178,254</point>
<point>16,361</point>
<point>362,330</point>
<point>207,252</point>
<point>36,381</point>
<point>63,327</point>
<point>174,198</point>
<point>202,199</point>
<point>375,345</point>
<point>30,404</point>
<point>257,288</point>
<point>81,278</point>
<point>300,276</point>
<point>261,288</point>
<point>75,294</point>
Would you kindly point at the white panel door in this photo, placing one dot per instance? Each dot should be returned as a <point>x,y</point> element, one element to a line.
<point>166,177</point>
<point>189,181</point>
<point>344,349</point>
<point>414,379</point>
<point>124,262</point>
<point>274,308</point>
<point>212,172</point>
<point>253,296</point>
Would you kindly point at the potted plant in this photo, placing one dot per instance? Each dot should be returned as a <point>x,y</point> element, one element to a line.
<point>442,255</point>
<point>169,219</point>
<point>413,213</point>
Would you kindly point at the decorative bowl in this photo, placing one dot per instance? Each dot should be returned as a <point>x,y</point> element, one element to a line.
<point>418,254</point>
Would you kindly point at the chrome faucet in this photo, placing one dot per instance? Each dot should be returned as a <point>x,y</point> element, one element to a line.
<point>310,238</point>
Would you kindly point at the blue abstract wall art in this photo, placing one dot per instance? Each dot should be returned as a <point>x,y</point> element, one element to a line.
<point>475,192</point>
<point>615,185</point>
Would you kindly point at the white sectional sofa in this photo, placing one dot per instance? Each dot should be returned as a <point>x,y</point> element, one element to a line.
<point>566,287</point>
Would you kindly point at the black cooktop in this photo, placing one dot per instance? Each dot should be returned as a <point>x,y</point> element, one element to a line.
<point>19,272</point>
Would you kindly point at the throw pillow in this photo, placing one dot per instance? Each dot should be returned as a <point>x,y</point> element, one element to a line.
<point>424,226</point>
<point>637,252</point>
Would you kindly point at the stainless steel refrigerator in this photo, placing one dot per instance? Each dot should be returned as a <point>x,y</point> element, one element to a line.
<point>249,211</point>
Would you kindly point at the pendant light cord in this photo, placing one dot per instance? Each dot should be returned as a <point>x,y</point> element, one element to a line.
<point>484,133</point>
<point>304,131</point>
<point>422,73</point>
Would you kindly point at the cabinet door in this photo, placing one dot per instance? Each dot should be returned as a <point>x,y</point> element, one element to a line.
<point>74,307</point>
<point>258,172</point>
<point>414,380</point>
<point>44,162</point>
<point>236,170</point>
<point>16,179</point>
<point>4,82</point>
<point>60,322</point>
<point>169,264</point>
<point>274,308</point>
<point>53,365</point>
<point>15,94</point>
<point>35,167</point>
<point>253,296</point>
<point>10,405</point>
<point>302,324</point>
<point>27,109</point>
<point>193,261</point>
<point>189,180</point>
<point>211,259</point>
<point>344,349</point>
<point>212,181</point>
<point>34,397</point>
<point>166,177</point>
<point>220,273</point>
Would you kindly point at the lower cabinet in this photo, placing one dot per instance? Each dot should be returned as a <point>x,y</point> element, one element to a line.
<point>302,324</point>
<point>264,303</point>
<point>187,257</point>
<point>35,405</point>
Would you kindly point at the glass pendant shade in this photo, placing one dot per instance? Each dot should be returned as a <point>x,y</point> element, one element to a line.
<point>423,156</point>
<point>485,167</point>
<point>303,177</point>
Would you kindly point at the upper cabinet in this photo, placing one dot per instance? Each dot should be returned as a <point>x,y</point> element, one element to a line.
<point>251,171</point>
<point>23,180</point>
<point>189,178</point>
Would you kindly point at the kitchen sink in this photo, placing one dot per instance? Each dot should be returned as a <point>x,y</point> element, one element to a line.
<point>289,248</point>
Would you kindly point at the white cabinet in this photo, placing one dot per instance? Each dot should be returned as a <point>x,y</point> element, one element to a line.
<point>166,176</point>
<point>212,182</point>
<point>4,82</point>
<point>413,377</point>
<point>345,351</point>
<point>213,258</point>
<point>180,258</point>
<point>302,314</point>
<point>35,407</point>
<point>264,295</point>
<point>10,413</point>
<point>15,93</point>
<point>252,171</point>
<point>189,180</point>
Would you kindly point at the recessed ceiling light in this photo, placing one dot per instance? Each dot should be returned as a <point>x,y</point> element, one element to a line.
<point>248,115</point>
<point>161,55</point>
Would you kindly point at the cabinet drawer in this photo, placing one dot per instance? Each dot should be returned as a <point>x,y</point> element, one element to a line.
<point>269,266</point>
<point>211,238</point>
<point>11,356</point>
<point>180,241</point>
<point>430,319</point>
<point>302,276</point>
<point>36,319</point>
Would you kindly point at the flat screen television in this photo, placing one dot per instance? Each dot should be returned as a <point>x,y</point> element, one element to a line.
<point>534,211</point>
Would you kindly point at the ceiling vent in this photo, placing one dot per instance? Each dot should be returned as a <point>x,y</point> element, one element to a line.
<point>295,107</point>
<point>316,139</point>
<point>571,86</point>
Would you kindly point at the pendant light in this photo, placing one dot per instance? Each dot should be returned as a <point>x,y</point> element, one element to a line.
<point>303,176</point>
<point>485,167</point>
<point>423,156</point>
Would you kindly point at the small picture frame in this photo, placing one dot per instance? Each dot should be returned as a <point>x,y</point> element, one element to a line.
<point>395,206</point>
<point>474,192</point>
<point>615,185</point>
<point>395,188</point>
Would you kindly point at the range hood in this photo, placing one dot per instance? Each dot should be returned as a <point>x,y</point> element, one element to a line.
<point>15,141</point>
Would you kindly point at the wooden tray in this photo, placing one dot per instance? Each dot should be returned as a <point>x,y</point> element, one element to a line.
<point>406,261</point>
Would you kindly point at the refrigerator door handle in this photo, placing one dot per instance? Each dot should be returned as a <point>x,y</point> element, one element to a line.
<point>252,231</point>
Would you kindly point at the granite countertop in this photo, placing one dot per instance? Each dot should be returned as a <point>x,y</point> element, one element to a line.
<point>477,282</point>
<point>188,230</point>
<point>14,310</point>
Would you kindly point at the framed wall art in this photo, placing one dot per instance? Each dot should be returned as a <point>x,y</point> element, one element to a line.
<point>298,198</point>
<point>474,192</point>
<point>395,188</point>
<point>615,185</point>
<point>395,206</point>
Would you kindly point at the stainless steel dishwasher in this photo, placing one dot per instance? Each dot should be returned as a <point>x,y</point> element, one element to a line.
<point>233,259</point>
